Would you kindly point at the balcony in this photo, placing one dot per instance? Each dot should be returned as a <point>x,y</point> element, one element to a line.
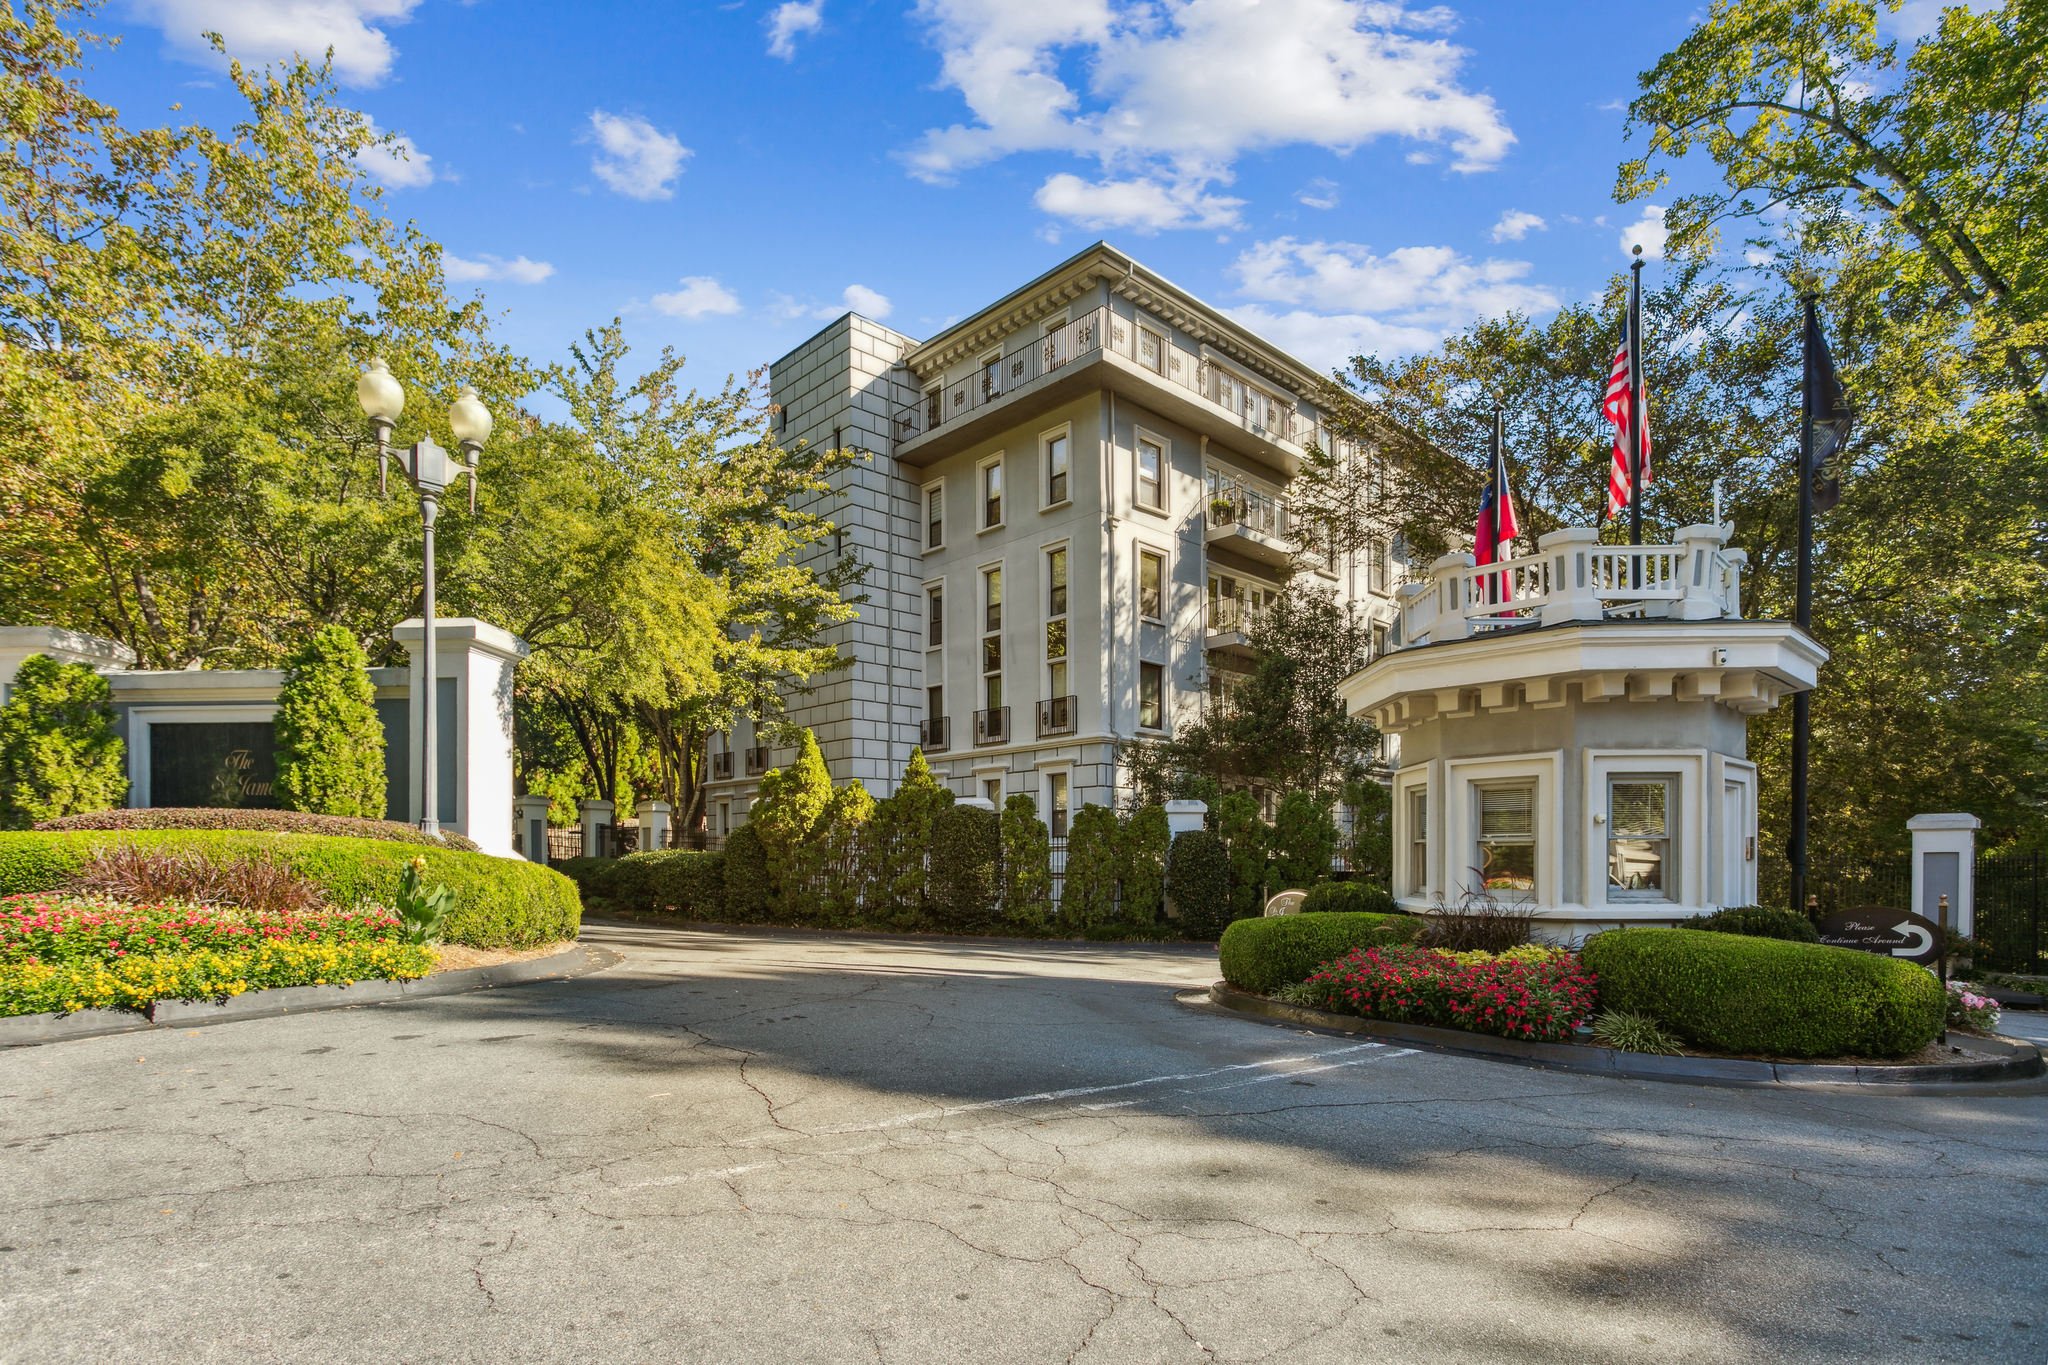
<point>721,766</point>
<point>1056,716</point>
<point>1229,626</point>
<point>992,727</point>
<point>1250,524</point>
<point>935,735</point>
<point>1100,349</point>
<point>757,760</point>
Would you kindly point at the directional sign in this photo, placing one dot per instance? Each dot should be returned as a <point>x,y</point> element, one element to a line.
<point>1895,933</point>
<point>1286,903</point>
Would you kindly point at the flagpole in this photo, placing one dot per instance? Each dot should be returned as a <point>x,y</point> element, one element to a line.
<point>1802,615</point>
<point>1500,494</point>
<point>1635,401</point>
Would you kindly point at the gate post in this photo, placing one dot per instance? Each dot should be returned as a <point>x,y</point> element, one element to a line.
<point>1944,864</point>
<point>654,822</point>
<point>597,826</point>
<point>532,815</point>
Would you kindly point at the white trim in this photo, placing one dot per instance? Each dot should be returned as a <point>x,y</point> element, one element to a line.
<point>924,507</point>
<point>1139,437</point>
<point>141,718</point>
<point>1165,726</point>
<point>1426,778</point>
<point>1722,773</point>
<point>1457,818</point>
<point>1686,889</point>
<point>925,628</point>
<point>1045,440</point>
<point>1062,768</point>
<point>981,466</point>
<point>1142,548</point>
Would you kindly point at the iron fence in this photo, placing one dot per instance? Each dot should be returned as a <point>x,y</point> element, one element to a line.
<point>2008,912</point>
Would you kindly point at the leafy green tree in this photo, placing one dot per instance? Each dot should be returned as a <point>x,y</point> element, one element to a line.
<point>844,834</point>
<point>1304,841</point>
<point>1088,898</point>
<point>1142,844</point>
<point>1246,842</point>
<point>330,744</point>
<point>1370,847</point>
<point>1027,863</point>
<point>59,751</point>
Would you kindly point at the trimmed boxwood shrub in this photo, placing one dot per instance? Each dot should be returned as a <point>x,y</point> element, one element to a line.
<point>1732,993</point>
<point>60,752</point>
<point>267,821</point>
<point>965,845</point>
<point>1349,898</point>
<point>1759,922</point>
<point>499,902</point>
<point>1264,954</point>
<point>330,746</point>
<point>1198,883</point>
<point>591,875</point>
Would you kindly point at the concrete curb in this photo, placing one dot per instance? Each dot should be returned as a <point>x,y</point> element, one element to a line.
<point>621,919</point>
<point>28,1030</point>
<point>1995,1060</point>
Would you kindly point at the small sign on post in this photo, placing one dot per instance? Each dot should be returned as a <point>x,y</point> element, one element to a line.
<point>1286,903</point>
<point>1895,933</point>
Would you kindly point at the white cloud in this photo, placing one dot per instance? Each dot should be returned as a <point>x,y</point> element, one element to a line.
<point>869,303</point>
<point>398,164</point>
<point>1319,193</point>
<point>1917,19</point>
<point>518,270</point>
<point>1647,231</point>
<point>786,21</point>
<point>634,157</point>
<point>1327,301</point>
<point>1175,95</point>
<point>1142,205</point>
<point>700,296</point>
<point>262,31</point>
<point>1516,224</point>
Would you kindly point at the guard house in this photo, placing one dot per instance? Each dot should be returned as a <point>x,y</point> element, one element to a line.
<point>1572,729</point>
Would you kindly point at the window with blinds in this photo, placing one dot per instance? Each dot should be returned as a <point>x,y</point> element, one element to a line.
<point>1507,838</point>
<point>1639,813</point>
<point>1418,840</point>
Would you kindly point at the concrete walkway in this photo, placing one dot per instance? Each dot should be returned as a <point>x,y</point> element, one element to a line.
<point>794,1149</point>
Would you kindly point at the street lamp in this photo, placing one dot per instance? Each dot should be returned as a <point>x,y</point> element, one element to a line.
<point>430,470</point>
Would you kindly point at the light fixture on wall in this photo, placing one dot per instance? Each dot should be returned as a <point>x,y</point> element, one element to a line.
<point>430,470</point>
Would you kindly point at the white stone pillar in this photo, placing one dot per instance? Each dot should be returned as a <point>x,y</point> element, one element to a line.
<point>1185,817</point>
<point>477,658</point>
<point>976,803</point>
<point>1571,581</point>
<point>1447,576</point>
<point>531,816</point>
<point>654,823</point>
<point>1701,545</point>
<point>1944,864</point>
<point>596,816</point>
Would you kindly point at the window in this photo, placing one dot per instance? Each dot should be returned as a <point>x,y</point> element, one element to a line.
<point>1151,474</point>
<point>992,598</point>
<point>1151,585</point>
<point>1056,623</point>
<point>934,516</point>
<point>1507,837</point>
<point>1056,804</point>
<point>934,408</point>
<point>992,639</point>
<point>1639,836</point>
<point>935,615</point>
<point>992,494</point>
<point>1151,696</point>
<point>991,375</point>
<point>1056,459</point>
<point>725,817</point>
<point>1418,839</point>
<point>935,704</point>
<point>992,788</point>
<point>1377,565</point>
<point>1379,640</point>
<point>1056,678</point>
<point>1151,349</point>
<point>1056,581</point>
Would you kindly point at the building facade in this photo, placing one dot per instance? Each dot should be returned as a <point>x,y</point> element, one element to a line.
<point>1073,504</point>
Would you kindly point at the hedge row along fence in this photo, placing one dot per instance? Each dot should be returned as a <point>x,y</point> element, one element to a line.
<point>499,902</point>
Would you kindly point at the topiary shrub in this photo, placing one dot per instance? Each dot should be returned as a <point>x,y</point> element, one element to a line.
<point>966,844</point>
<point>591,875</point>
<point>498,902</point>
<point>1755,921</point>
<point>330,745</point>
<point>1088,896</point>
<point>844,831</point>
<point>1733,993</point>
<point>272,821</point>
<point>1198,883</point>
<point>1142,846</point>
<point>786,817</point>
<point>900,848</point>
<point>1027,864</point>
<point>1247,840</point>
<point>1304,841</point>
<point>1349,898</point>
<point>746,896</point>
<point>59,751</point>
<point>1264,954</point>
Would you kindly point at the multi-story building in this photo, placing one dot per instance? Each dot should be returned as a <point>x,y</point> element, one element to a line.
<point>1072,505</point>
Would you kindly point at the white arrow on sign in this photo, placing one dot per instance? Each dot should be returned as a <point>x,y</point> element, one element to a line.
<point>1912,930</point>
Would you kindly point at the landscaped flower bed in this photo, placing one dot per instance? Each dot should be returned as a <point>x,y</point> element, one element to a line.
<point>64,953</point>
<point>1530,992</point>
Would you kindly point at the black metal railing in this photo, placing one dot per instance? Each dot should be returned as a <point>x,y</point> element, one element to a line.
<point>1056,716</point>
<point>2008,905</point>
<point>935,735</point>
<point>993,726</point>
<point>564,844</point>
<point>757,760</point>
<point>721,766</point>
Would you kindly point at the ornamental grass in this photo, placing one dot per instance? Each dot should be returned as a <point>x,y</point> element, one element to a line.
<point>1535,993</point>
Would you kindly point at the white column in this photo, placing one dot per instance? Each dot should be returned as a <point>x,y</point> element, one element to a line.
<point>1944,863</point>
<point>654,822</point>
<point>1702,600</point>
<point>1571,583</point>
<point>478,658</point>
<point>596,816</point>
<point>530,814</point>
<point>1447,575</point>
<point>1185,817</point>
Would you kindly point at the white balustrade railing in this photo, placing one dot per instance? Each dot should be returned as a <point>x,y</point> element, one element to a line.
<point>1573,577</point>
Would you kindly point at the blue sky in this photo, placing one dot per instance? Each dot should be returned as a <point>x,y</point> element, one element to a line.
<point>1340,174</point>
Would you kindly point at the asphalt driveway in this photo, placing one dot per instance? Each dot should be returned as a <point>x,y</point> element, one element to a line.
<point>793,1149</point>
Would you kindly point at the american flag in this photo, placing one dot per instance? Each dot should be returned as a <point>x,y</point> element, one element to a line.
<point>1615,407</point>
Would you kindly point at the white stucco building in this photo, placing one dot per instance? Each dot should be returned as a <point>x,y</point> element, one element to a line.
<point>1072,500</point>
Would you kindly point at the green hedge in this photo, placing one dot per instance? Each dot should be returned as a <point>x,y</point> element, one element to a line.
<point>966,847</point>
<point>1349,898</point>
<point>1758,922</point>
<point>1198,883</point>
<point>1264,954</point>
<point>1731,993</point>
<point>499,902</point>
<point>677,881</point>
